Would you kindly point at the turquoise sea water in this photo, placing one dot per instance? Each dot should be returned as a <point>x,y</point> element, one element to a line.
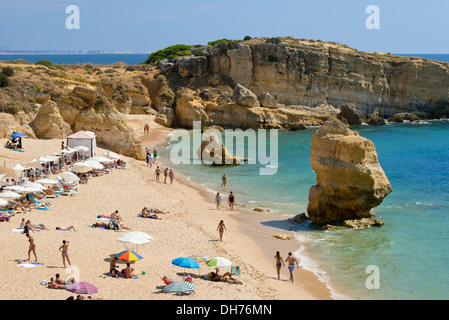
<point>410,250</point>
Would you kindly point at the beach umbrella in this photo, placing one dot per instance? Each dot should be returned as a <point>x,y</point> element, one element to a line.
<point>129,256</point>
<point>34,164</point>
<point>200,257</point>
<point>111,155</point>
<point>34,185</point>
<point>185,262</point>
<point>19,167</point>
<point>82,288</point>
<point>219,262</point>
<point>101,159</point>
<point>69,176</point>
<point>81,167</point>
<point>94,164</point>
<point>21,189</point>
<point>47,181</point>
<point>136,238</point>
<point>3,203</point>
<point>18,135</point>
<point>45,159</point>
<point>10,195</point>
<point>180,287</point>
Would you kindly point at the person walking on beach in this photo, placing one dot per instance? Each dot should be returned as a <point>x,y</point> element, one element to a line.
<point>231,200</point>
<point>172,176</point>
<point>165,175</point>
<point>291,264</point>
<point>223,181</point>
<point>32,247</point>
<point>218,200</point>
<point>65,254</point>
<point>279,263</point>
<point>221,227</point>
<point>157,172</point>
<point>148,159</point>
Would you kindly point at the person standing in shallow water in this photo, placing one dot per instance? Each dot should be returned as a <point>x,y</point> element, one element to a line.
<point>231,200</point>
<point>223,181</point>
<point>218,200</point>
<point>279,263</point>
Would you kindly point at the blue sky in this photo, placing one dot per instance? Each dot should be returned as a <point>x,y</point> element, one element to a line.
<point>405,26</point>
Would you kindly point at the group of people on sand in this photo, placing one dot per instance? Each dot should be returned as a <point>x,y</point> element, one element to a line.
<point>151,213</point>
<point>63,249</point>
<point>127,272</point>
<point>58,283</point>
<point>168,173</point>
<point>150,157</point>
<point>231,200</point>
<point>291,260</point>
<point>115,222</point>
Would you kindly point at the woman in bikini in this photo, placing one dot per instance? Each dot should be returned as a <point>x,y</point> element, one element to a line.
<point>218,200</point>
<point>221,227</point>
<point>64,251</point>
<point>279,263</point>
<point>32,247</point>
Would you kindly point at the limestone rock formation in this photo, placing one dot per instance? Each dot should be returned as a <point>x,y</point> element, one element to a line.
<point>245,97</point>
<point>49,122</point>
<point>214,152</point>
<point>267,101</point>
<point>378,121</point>
<point>192,66</point>
<point>352,114</point>
<point>363,223</point>
<point>400,117</point>
<point>350,180</point>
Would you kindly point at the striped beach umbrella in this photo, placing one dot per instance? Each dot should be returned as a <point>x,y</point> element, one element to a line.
<point>200,257</point>
<point>82,288</point>
<point>180,287</point>
<point>129,256</point>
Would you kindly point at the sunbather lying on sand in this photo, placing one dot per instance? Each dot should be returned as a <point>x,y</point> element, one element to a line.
<point>65,228</point>
<point>54,285</point>
<point>152,210</point>
<point>149,215</point>
<point>225,278</point>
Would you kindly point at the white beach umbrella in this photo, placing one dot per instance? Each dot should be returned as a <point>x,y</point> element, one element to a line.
<point>19,167</point>
<point>33,185</point>
<point>136,237</point>
<point>47,181</point>
<point>34,164</point>
<point>219,262</point>
<point>81,148</point>
<point>69,176</point>
<point>94,164</point>
<point>81,167</point>
<point>45,160</point>
<point>3,203</point>
<point>17,189</point>
<point>10,195</point>
<point>111,155</point>
<point>101,159</point>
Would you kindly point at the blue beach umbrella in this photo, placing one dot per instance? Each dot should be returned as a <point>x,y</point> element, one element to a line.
<point>185,262</point>
<point>18,135</point>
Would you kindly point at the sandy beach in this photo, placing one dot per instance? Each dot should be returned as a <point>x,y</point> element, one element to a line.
<point>189,227</point>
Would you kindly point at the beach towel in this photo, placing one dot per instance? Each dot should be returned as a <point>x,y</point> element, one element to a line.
<point>103,218</point>
<point>43,208</point>
<point>30,264</point>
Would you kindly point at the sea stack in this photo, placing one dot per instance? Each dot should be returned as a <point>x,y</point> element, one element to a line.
<point>350,180</point>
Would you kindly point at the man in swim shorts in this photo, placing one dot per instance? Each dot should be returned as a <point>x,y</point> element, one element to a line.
<point>291,264</point>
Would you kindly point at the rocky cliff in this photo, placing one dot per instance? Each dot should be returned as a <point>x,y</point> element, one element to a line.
<point>292,83</point>
<point>47,102</point>
<point>350,180</point>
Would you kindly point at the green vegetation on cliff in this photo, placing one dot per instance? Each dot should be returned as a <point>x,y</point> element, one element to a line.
<point>172,53</point>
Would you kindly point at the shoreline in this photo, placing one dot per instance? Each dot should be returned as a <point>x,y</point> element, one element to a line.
<point>252,230</point>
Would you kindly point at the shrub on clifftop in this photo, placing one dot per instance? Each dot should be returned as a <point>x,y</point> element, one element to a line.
<point>171,53</point>
<point>4,81</point>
